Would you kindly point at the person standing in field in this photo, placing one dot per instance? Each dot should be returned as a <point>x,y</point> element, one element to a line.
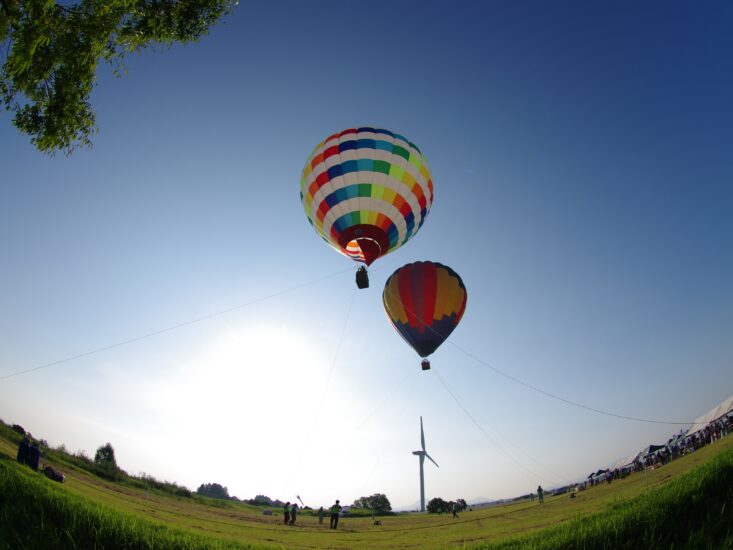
<point>286,513</point>
<point>335,510</point>
<point>321,513</point>
<point>453,509</point>
<point>541,494</point>
<point>293,513</point>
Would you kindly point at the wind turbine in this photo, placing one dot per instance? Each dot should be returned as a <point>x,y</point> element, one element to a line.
<point>422,454</point>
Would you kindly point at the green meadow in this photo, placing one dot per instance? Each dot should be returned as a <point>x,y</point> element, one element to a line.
<point>685,504</point>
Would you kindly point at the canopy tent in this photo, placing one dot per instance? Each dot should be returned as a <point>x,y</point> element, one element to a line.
<point>719,411</point>
<point>650,450</point>
<point>711,416</point>
<point>625,462</point>
<point>677,437</point>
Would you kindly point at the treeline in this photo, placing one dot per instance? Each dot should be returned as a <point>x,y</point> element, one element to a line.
<point>103,465</point>
<point>216,490</point>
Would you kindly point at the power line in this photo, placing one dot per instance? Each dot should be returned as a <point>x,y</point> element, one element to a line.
<point>534,388</point>
<point>481,429</point>
<point>325,388</point>
<point>170,328</point>
<point>559,398</point>
<point>517,447</point>
<point>297,287</point>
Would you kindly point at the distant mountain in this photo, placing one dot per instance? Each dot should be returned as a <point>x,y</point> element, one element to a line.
<point>415,506</point>
<point>480,500</point>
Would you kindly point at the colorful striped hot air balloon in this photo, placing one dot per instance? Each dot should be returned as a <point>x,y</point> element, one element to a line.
<point>424,301</point>
<point>366,191</point>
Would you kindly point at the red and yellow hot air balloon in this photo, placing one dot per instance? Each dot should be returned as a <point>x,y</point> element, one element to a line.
<point>424,301</point>
<point>366,191</point>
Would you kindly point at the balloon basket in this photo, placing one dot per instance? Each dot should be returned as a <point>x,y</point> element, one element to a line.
<point>362,277</point>
<point>425,364</point>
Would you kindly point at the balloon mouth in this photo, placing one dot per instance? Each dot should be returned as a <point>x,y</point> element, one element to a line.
<point>367,250</point>
<point>364,243</point>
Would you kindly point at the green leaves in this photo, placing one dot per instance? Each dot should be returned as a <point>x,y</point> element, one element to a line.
<point>50,69</point>
<point>377,502</point>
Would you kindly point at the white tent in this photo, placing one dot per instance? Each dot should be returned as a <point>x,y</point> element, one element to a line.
<point>625,462</point>
<point>712,415</point>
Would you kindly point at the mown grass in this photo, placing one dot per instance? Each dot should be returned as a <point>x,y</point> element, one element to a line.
<point>662,508</point>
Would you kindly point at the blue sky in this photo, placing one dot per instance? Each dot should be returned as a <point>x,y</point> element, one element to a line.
<point>583,190</point>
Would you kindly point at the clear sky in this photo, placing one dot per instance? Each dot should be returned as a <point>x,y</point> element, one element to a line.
<point>583,165</point>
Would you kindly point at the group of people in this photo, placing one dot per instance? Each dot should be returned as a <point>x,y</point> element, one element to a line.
<point>290,514</point>
<point>676,447</point>
<point>540,495</point>
<point>710,434</point>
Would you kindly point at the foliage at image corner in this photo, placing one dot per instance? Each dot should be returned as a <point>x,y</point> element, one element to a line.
<point>50,51</point>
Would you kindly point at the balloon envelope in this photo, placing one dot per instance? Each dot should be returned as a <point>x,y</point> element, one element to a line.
<point>424,301</point>
<point>366,191</point>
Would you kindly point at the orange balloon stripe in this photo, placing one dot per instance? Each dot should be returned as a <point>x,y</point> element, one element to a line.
<point>424,301</point>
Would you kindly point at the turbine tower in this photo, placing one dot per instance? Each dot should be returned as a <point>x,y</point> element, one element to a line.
<point>422,454</point>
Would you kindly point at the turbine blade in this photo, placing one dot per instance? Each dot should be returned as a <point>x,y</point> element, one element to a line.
<point>422,435</point>
<point>431,459</point>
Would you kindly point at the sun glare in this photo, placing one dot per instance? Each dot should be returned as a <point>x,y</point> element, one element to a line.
<point>248,372</point>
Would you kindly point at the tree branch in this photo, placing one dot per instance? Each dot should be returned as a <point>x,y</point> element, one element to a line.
<point>68,10</point>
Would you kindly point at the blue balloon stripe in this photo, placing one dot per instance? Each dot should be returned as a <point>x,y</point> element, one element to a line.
<point>335,171</point>
<point>347,145</point>
<point>381,145</point>
<point>365,165</point>
<point>349,166</point>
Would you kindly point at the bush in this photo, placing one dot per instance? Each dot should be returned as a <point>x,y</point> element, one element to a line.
<point>437,506</point>
<point>105,455</point>
<point>109,472</point>
<point>377,502</point>
<point>145,481</point>
<point>213,490</point>
<point>105,464</point>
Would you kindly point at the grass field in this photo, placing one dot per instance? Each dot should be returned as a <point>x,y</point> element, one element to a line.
<point>659,508</point>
